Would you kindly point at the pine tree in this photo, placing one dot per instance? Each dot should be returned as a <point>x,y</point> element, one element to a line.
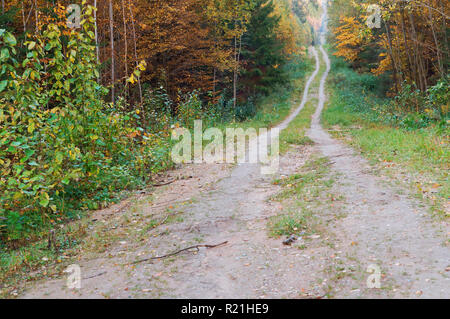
<point>262,51</point>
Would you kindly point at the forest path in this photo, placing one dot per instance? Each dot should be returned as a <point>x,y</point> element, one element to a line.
<point>375,225</point>
<point>383,229</point>
<point>234,210</point>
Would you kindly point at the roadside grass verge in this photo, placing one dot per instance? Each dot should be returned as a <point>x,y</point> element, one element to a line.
<point>32,262</point>
<point>303,195</point>
<point>41,259</point>
<point>418,156</point>
<point>294,134</point>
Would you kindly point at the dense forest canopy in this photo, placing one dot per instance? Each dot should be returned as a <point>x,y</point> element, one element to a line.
<point>187,44</point>
<point>410,42</point>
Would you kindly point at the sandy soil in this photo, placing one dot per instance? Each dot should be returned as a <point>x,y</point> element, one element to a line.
<point>381,226</point>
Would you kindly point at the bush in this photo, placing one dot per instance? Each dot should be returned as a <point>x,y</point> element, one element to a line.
<point>189,109</point>
<point>158,110</point>
<point>410,109</point>
<point>62,149</point>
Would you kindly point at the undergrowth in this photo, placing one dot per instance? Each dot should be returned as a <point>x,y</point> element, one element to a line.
<point>411,143</point>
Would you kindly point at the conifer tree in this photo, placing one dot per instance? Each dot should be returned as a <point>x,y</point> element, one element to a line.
<point>262,51</point>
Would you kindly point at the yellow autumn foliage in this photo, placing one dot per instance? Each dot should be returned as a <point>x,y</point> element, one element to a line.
<point>348,37</point>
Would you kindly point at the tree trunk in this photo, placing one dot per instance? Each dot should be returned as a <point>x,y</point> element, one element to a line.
<point>214,83</point>
<point>438,50</point>
<point>23,18</point>
<point>96,32</point>
<point>235,73</point>
<point>405,40</point>
<point>36,15</point>
<point>444,32</point>
<point>135,48</point>
<point>126,46</point>
<point>422,76</point>
<point>111,30</point>
<point>136,60</point>
<point>391,54</point>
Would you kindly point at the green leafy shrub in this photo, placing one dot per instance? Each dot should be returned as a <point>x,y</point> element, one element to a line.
<point>158,110</point>
<point>62,149</point>
<point>409,109</point>
<point>190,109</point>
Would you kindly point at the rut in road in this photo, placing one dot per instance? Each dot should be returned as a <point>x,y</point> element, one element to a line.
<point>384,229</point>
<point>249,266</point>
<point>381,228</point>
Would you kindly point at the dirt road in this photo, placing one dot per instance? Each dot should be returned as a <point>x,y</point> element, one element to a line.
<point>374,225</point>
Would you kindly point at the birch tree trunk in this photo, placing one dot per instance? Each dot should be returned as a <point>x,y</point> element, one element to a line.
<point>96,32</point>
<point>135,50</point>
<point>126,45</point>
<point>36,14</point>
<point>111,30</point>
<point>23,18</point>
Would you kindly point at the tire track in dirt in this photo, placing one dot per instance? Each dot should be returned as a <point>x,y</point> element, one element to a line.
<point>251,265</point>
<point>382,227</point>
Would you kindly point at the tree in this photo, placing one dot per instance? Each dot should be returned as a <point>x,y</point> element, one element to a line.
<point>348,38</point>
<point>111,28</point>
<point>262,50</point>
<point>411,45</point>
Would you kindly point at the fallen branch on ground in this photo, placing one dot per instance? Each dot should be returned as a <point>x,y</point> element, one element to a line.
<point>163,184</point>
<point>178,251</point>
<point>96,275</point>
<point>345,154</point>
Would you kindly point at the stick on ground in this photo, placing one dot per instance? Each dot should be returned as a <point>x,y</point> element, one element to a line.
<point>178,251</point>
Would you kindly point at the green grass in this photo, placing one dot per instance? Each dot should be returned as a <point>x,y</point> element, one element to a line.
<point>17,265</point>
<point>421,155</point>
<point>294,134</point>
<point>301,197</point>
<point>296,184</point>
<point>292,222</point>
<point>276,106</point>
